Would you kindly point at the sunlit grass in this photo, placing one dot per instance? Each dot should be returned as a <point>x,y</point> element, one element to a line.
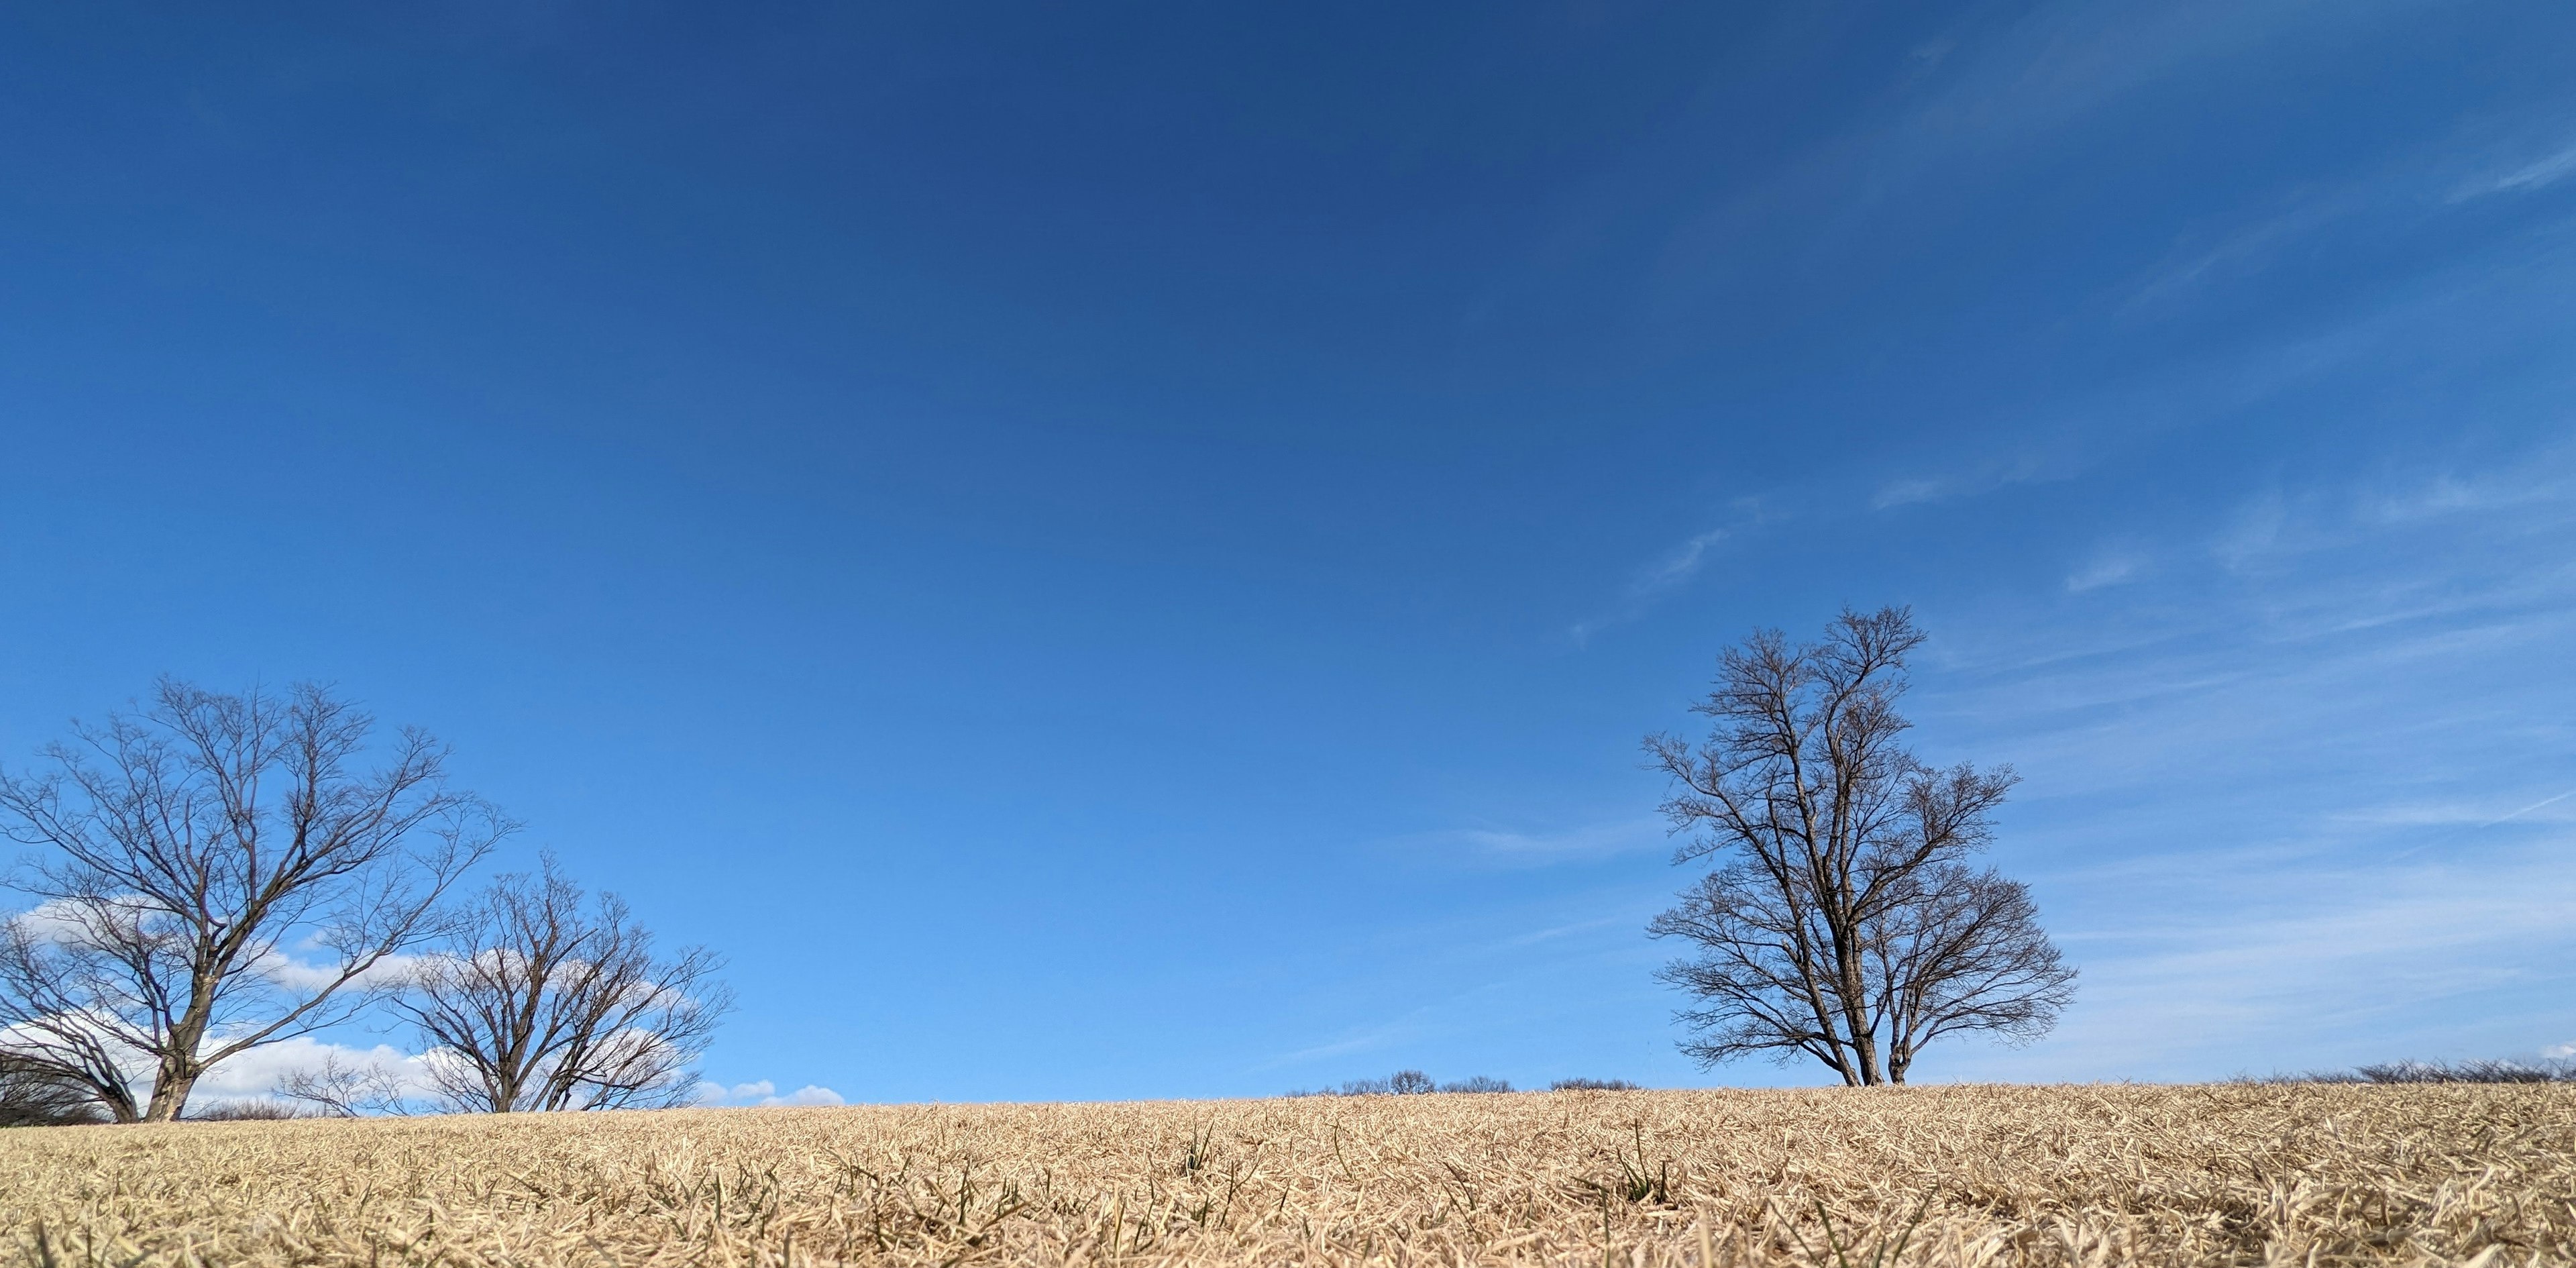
<point>2280,1174</point>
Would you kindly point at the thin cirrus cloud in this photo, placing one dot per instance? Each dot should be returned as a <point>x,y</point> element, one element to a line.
<point>2393,202</point>
<point>2191,759</point>
<point>2108,568</point>
<point>2366,964</point>
<point>1987,96</point>
<point>1592,840</point>
<point>2538,174</point>
<point>1669,571</point>
<point>2027,468</point>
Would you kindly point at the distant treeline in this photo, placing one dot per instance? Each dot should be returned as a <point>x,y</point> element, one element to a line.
<point>1415,1082</point>
<point>2555,1071</point>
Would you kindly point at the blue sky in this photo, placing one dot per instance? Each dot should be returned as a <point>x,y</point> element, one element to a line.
<point>1119,553</point>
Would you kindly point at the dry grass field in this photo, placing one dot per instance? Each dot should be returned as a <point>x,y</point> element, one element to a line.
<point>1933,1176</point>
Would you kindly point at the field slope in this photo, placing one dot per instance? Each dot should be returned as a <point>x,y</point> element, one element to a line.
<point>2020,1175</point>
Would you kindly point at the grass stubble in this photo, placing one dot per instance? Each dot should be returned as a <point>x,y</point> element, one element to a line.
<point>1955,1175</point>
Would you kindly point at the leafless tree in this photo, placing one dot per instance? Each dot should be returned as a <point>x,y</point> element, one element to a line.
<point>216,874</point>
<point>540,1001</point>
<point>341,1088</point>
<point>1841,921</point>
<point>35,1095</point>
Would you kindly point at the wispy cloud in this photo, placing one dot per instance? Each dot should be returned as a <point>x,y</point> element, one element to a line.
<point>1553,932</point>
<point>1670,570</point>
<point>1592,840</point>
<point>1677,565</point>
<point>2399,199</point>
<point>2252,243</point>
<point>2536,495</point>
<point>2538,174</point>
<point>2449,813</point>
<point>2541,804</point>
<point>2110,566</point>
<point>2353,965</point>
<point>1988,93</point>
<point>2192,743</point>
<point>2028,468</point>
<point>1369,1039</point>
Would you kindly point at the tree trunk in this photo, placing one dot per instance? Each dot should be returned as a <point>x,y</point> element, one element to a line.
<point>169,1096</point>
<point>180,1068</point>
<point>121,1109</point>
<point>1864,1040</point>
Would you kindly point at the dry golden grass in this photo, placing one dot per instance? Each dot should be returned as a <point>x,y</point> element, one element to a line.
<point>1961,1175</point>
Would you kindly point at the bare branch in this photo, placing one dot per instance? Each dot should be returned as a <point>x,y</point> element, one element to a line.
<point>1840,924</point>
<point>189,851</point>
<point>538,1001</point>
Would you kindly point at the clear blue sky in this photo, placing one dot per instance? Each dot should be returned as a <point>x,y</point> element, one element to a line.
<point>1118,552</point>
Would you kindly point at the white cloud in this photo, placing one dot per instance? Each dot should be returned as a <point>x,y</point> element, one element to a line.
<point>50,921</point>
<point>261,1071</point>
<point>2560,1051</point>
<point>300,976</point>
<point>763,1092</point>
<point>810,1094</point>
<point>62,921</point>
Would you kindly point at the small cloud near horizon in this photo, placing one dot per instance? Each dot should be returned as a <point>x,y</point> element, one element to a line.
<point>764,1093</point>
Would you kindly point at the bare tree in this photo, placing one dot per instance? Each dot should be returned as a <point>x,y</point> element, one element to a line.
<point>35,1095</point>
<point>1841,921</point>
<point>539,1001</point>
<point>340,1088</point>
<point>217,875</point>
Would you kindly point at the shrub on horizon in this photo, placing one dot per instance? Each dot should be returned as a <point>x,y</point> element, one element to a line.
<point>1408,1083</point>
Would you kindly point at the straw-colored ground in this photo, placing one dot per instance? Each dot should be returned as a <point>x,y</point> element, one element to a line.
<point>1959,1175</point>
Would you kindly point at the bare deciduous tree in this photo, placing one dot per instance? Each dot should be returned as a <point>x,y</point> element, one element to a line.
<point>36,1095</point>
<point>539,1001</point>
<point>217,875</point>
<point>341,1088</point>
<point>1841,921</point>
